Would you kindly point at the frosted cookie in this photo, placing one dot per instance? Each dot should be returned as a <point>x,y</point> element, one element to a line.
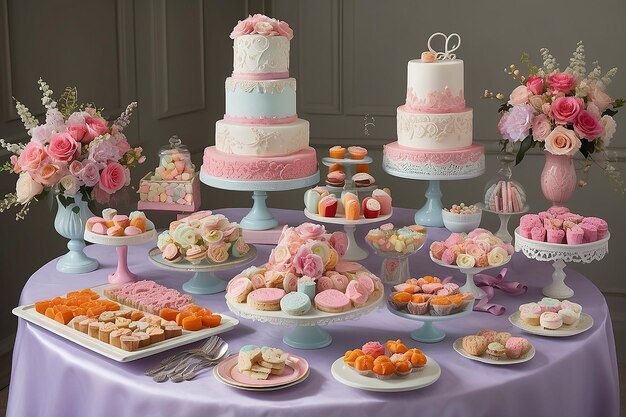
<point>266,299</point>
<point>248,356</point>
<point>238,289</point>
<point>568,316</point>
<point>274,355</point>
<point>550,320</point>
<point>475,345</point>
<point>295,303</point>
<point>332,301</point>
<point>530,313</point>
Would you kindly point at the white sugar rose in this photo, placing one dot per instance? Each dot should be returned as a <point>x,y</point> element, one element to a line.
<point>163,240</point>
<point>185,236</point>
<point>320,249</point>
<point>497,256</point>
<point>26,188</point>
<point>465,261</point>
<point>70,185</point>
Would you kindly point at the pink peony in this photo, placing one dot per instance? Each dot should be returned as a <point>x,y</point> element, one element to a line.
<point>599,98</point>
<point>515,124</point>
<point>588,126</point>
<point>89,174</point>
<point>310,231</point>
<point>244,27</point>
<point>541,127</point>
<point>520,95</point>
<point>535,84</point>
<point>562,81</point>
<point>63,147</point>
<point>283,29</point>
<point>562,141</point>
<point>112,178</point>
<point>307,263</point>
<point>95,126</point>
<point>339,242</point>
<point>77,132</point>
<point>565,109</point>
<point>32,156</point>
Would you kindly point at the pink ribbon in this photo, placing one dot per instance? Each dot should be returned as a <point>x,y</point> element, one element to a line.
<point>488,284</point>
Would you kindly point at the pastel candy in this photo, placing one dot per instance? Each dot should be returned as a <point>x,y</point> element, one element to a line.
<point>352,209</point>
<point>357,293</point>
<point>295,303</point>
<point>384,199</point>
<point>311,201</point>
<point>132,231</point>
<point>99,228</point>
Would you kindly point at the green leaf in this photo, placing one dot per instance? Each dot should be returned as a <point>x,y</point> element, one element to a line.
<point>526,144</point>
<point>587,148</point>
<point>504,107</point>
<point>609,112</point>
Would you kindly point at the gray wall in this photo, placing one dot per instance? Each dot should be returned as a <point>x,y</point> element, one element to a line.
<point>350,60</point>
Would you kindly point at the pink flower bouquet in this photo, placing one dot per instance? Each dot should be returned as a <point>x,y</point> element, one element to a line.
<point>562,111</point>
<point>74,151</point>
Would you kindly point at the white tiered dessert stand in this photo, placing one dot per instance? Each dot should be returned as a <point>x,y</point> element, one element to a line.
<point>204,280</point>
<point>560,255</point>
<point>349,166</point>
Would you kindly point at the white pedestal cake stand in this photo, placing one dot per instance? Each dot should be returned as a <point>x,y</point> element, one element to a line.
<point>560,255</point>
<point>122,274</point>
<point>307,334</point>
<point>470,285</point>
<point>430,213</point>
<point>349,166</point>
<point>503,231</point>
<point>354,252</point>
<point>259,217</point>
<point>204,281</point>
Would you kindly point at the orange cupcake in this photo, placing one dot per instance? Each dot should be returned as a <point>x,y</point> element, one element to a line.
<point>396,346</point>
<point>350,357</point>
<point>416,357</point>
<point>383,367</point>
<point>399,299</point>
<point>441,306</point>
<point>364,364</point>
<point>337,152</point>
<point>403,368</point>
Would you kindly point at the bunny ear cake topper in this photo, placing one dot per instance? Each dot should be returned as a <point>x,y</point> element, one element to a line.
<point>452,43</point>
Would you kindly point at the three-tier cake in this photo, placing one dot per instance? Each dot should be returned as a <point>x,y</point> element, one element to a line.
<point>261,137</point>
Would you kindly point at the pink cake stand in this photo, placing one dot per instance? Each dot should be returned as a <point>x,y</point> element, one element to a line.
<point>122,274</point>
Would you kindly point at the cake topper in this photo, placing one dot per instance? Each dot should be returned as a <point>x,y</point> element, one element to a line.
<point>447,54</point>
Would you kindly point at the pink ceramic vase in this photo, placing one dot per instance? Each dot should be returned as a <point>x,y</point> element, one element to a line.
<point>558,178</point>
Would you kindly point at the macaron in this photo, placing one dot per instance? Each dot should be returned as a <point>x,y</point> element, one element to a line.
<point>94,220</point>
<point>132,231</point>
<point>332,301</point>
<point>363,179</point>
<point>266,299</point>
<point>336,179</point>
<point>295,303</point>
<point>99,229</point>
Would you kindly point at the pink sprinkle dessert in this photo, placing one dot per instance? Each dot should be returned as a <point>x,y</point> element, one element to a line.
<point>148,296</point>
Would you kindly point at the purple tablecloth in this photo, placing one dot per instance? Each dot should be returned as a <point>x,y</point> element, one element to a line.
<point>574,376</point>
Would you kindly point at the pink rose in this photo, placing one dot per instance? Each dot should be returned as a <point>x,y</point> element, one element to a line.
<point>27,188</point>
<point>264,28</point>
<point>514,125</point>
<point>218,252</point>
<point>310,231</point>
<point>475,250</point>
<point>562,81</point>
<point>536,102</point>
<point>280,255</point>
<point>89,174</point>
<point>535,84</point>
<point>587,125</point>
<point>562,141</point>
<point>520,95</point>
<point>48,174</point>
<point>63,147</point>
<point>259,18</point>
<point>112,178</point>
<point>541,127</point>
<point>307,263</point>
<point>14,164</point>
<point>546,108</point>
<point>565,109</point>
<point>437,249</point>
<point>244,27</point>
<point>95,126</point>
<point>75,168</point>
<point>599,98</point>
<point>339,242</point>
<point>32,156</point>
<point>77,132</point>
<point>283,29</point>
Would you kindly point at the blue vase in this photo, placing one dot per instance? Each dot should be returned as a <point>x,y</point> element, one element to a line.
<point>70,223</point>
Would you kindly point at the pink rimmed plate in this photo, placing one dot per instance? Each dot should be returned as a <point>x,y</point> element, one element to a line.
<point>296,369</point>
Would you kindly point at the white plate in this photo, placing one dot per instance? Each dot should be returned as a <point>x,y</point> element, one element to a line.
<point>344,221</point>
<point>156,257</point>
<point>416,380</point>
<point>28,313</point>
<point>582,325</point>
<point>458,346</point>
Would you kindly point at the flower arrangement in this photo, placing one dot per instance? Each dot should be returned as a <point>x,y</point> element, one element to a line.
<point>262,25</point>
<point>203,235</point>
<point>479,248</point>
<point>564,112</point>
<point>74,151</point>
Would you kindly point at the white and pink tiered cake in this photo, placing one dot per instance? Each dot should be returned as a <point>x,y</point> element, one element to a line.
<point>261,137</point>
<point>434,125</point>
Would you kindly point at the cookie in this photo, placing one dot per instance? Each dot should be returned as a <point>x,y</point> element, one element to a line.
<point>274,355</point>
<point>475,345</point>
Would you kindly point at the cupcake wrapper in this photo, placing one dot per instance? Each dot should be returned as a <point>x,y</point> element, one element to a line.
<point>441,310</point>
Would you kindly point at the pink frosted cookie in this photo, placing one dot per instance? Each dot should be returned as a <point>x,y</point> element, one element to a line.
<point>357,293</point>
<point>449,288</point>
<point>238,289</point>
<point>266,299</point>
<point>132,231</point>
<point>332,301</point>
<point>367,282</point>
<point>516,347</point>
<point>324,283</point>
<point>345,266</point>
<point>340,282</point>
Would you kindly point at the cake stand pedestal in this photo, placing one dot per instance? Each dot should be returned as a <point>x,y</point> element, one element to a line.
<point>307,333</point>
<point>204,280</point>
<point>470,285</point>
<point>503,231</point>
<point>122,274</point>
<point>428,333</point>
<point>349,167</point>
<point>560,255</point>
<point>259,217</point>
<point>354,251</point>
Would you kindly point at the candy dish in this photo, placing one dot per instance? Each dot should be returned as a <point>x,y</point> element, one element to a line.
<point>584,323</point>
<point>428,375</point>
<point>461,222</point>
<point>485,358</point>
<point>561,254</point>
<point>204,280</point>
<point>354,252</point>
<point>428,333</point>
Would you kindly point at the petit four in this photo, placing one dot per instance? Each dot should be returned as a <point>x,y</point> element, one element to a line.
<point>496,345</point>
<point>336,179</point>
<point>113,224</point>
<point>550,313</point>
<point>479,248</point>
<point>318,200</point>
<point>559,225</point>
<point>385,362</point>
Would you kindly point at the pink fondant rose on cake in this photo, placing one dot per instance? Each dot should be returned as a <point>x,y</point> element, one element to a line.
<point>308,263</point>
<point>264,28</point>
<point>244,27</point>
<point>63,147</point>
<point>562,141</point>
<point>310,231</point>
<point>283,29</point>
<point>535,84</point>
<point>562,82</point>
<point>587,125</point>
<point>113,177</point>
<point>565,109</point>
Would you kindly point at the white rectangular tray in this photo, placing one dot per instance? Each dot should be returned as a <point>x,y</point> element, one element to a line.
<point>28,313</point>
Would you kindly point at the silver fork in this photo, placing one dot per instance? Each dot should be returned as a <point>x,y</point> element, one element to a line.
<point>193,369</point>
<point>214,353</point>
<point>206,347</point>
<point>173,368</point>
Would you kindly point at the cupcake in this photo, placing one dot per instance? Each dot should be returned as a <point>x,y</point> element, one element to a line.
<point>396,346</point>
<point>357,152</point>
<point>337,152</point>
<point>399,299</point>
<point>496,350</point>
<point>467,299</point>
<point>475,345</point>
<point>364,364</point>
<point>456,300</point>
<point>417,358</point>
<point>440,306</point>
<point>373,349</point>
<point>403,367</point>
<point>418,304</point>
<point>383,367</point>
<point>351,356</point>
